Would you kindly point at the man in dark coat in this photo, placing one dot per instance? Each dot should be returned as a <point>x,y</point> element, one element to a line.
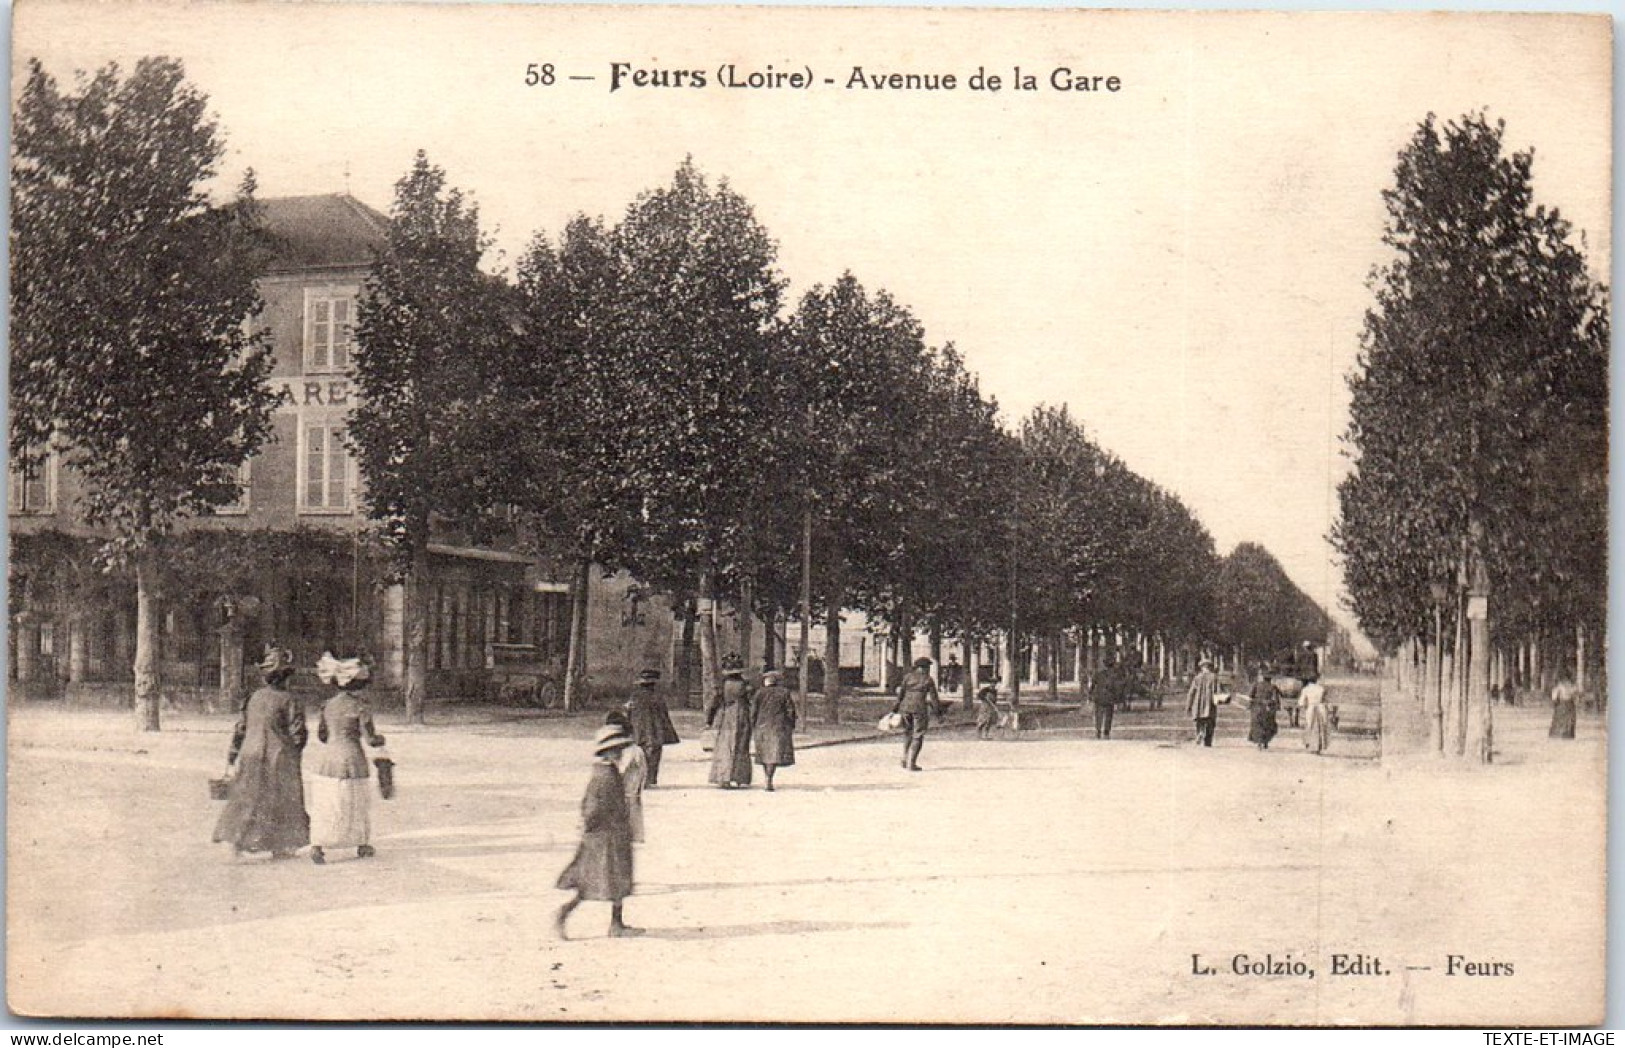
<point>1112,685</point>
<point>651,721</point>
<point>775,726</point>
<point>602,867</point>
<point>917,699</point>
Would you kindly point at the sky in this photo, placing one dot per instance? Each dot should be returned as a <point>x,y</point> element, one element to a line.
<point>1183,262</point>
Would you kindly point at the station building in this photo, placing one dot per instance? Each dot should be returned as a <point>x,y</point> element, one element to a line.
<point>291,561</point>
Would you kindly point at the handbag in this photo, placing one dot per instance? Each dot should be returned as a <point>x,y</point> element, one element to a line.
<point>890,722</point>
<point>220,789</point>
<point>386,772</point>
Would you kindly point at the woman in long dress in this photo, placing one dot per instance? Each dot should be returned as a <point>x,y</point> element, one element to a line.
<point>1317,725</point>
<point>1563,709</point>
<point>1264,725</point>
<point>265,809</point>
<point>734,716</point>
<point>340,801</point>
<point>602,867</point>
<point>775,727</point>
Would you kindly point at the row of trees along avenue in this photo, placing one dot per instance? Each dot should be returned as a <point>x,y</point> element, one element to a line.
<point>639,395</point>
<point>1474,524</point>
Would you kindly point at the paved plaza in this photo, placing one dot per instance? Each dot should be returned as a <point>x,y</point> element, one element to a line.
<point>1044,878</point>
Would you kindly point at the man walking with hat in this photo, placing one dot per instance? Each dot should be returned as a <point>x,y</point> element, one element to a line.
<point>651,721</point>
<point>916,700</point>
<point>1201,702</point>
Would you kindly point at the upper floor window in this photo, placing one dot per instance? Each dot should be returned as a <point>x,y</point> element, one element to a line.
<point>329,328</point>
<point>326,477</point>
<point>32,490</point>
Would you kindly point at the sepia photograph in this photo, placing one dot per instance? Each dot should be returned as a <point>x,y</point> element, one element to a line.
<point>721,515</point>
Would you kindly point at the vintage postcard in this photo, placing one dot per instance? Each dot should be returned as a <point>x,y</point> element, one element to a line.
<point>821,515</point>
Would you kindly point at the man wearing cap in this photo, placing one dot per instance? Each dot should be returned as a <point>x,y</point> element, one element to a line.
<point>602,867</point>
<point>1201,702</point>
<point>651,721</point>
<point>916,699</point>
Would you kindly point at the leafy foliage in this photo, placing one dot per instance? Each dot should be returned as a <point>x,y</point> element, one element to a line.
<point>1481,397</point>
<point>132,349</point>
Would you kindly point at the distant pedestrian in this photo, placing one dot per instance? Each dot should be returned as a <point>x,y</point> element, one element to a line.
<point>1112,685</point>
<point>651,721</point>
<point>952,674</point>
<point>775,726</point>
<point>1307,663</point>
<point>602,867</point>
<point>1565,697</point>
<point>265,808</point>
<point>734,716</point>
<point>1263,725</point>
<point>340,804</point>
<point>917,699</point>
<point>1201,703</point>
<point>1317,725</point>
<point>987,709</point>
<point>633,764</point>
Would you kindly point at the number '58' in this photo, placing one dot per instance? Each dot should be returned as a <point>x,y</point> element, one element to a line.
<point>539,74</point>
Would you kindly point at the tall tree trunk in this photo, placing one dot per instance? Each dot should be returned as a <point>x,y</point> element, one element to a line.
<point>685,654</point>
<point>1015,665</point>
<point>415,598</point>
<point>231,664</point>
<point>710,658</point>
<point>1458,671</point>
<point>1054,666</point>
<point>1580,655</point>
<point>936,647</point>
<point>746,620</point>
<point>146,641</point>
<point>1433,689</point>
<point>575,661</point>
<point>832,657</point>
<point>1482,717</point>
<point>968,700</point>
<point>805,657</point>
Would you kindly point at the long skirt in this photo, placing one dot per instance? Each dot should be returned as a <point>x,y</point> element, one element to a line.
<point>1317,729</point>
<point>602,867</point>
<point>340,812</point>
<point>1562,720</point>
<point>730,759</point>
<point>266,807</point>
<point>1263,725</point>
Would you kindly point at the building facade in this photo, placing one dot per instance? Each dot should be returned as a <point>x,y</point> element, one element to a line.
<point>292,561</point>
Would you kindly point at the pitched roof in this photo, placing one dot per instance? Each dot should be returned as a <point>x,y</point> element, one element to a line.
<point>334,229</point>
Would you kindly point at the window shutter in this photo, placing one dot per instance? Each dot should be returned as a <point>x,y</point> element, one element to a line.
<point>341,333</point>
<point>315,463</point>
<point>338,471</point>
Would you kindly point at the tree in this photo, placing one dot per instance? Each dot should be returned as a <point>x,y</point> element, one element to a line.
<point>133,353</point>
<point>435,360</point>
<point>691,348</point>
<point>1478,421</point>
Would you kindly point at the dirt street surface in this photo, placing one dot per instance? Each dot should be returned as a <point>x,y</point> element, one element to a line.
<point>1049,878</point>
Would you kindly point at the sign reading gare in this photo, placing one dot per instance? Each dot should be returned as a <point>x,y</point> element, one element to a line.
<point>298,393</point>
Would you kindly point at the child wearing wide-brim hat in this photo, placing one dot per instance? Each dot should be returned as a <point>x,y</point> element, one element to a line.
<point>602,867</point>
